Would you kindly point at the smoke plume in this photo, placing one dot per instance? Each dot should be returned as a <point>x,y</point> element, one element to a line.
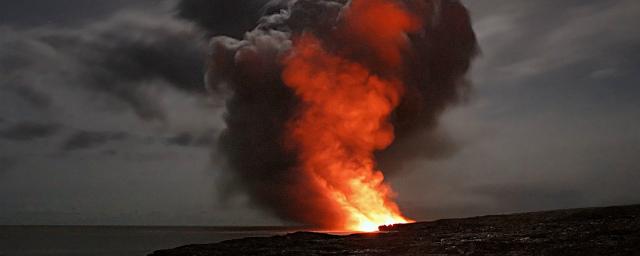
<point>425,53</point>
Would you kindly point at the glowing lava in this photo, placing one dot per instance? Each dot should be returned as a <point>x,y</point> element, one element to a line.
<point>345,109</point>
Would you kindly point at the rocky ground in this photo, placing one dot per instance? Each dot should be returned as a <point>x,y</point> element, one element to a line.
<point>594,231</point>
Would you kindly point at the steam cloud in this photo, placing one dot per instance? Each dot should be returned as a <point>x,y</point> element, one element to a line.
<point>259,104</point>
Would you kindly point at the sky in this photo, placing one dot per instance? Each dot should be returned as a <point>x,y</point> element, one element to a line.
<point>105,119</point>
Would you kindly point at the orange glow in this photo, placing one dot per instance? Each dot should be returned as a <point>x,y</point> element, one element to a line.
<point>344,115</point>
<point>381,26</point>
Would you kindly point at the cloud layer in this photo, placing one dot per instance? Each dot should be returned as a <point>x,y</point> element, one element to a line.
<point>552,121</point>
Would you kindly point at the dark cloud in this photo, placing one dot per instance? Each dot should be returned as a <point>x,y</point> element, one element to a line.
<point>27,13</point>
<point>88,139</point>
<point>552,124</point>
<point>122,64</point>
<point>173,57</point>
<point>102,72</point>
<point>34,97</point>
<point>6,164</point>
<point>223,17</point>
<point>123,57</point>
<point>436,81</point>
<point>26,131</point>
<point>189,139</point>
<point>183,139</point>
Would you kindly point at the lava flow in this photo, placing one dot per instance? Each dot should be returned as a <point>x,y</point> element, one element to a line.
<point>346,102</point>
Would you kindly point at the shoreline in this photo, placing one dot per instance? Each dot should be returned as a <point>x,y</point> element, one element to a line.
<point>588,231</point>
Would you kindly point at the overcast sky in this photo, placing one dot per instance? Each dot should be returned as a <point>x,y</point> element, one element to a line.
<point>104,117</point>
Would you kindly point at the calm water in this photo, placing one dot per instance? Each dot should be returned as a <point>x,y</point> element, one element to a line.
<point>125,241</point>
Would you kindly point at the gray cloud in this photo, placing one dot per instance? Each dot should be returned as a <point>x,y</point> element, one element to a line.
<point>6,164</point>
<point>527,196</point>
<point>87,139</point>
<point>121,82</point>
<point>553,118</point>
<point>189,139</point>
<point>223,17</point>
<point>26,131</point>
<point>30,13</point>
<point>104,59</point>
<point>573,33</point>
<point>31,95</point>
<point>552,122</point>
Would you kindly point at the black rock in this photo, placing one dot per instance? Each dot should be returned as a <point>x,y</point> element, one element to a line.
<point>593,231</point>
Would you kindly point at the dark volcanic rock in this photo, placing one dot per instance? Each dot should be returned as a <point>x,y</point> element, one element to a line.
<point>595,231</point>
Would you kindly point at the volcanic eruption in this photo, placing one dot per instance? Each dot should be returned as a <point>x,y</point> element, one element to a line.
<point>320,89</point>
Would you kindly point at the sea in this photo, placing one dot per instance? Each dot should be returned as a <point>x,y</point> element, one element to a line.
<point>116,240</point>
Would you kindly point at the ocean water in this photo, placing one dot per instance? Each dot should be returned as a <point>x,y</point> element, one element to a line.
<point>121,241</point>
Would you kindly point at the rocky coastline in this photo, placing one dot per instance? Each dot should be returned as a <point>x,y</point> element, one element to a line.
<point>591,231</point>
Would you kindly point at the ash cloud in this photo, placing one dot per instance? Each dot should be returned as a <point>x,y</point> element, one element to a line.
<point>441,58</point>
<point>223,17</point>
<point>259,105</point>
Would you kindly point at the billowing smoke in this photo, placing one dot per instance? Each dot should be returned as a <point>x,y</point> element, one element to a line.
<point>249,71</point>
